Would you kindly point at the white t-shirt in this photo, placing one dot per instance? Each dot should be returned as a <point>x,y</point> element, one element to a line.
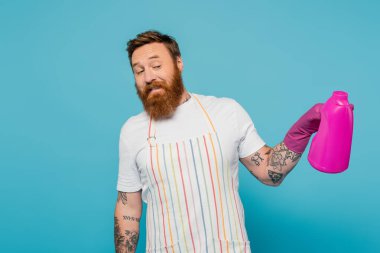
<point>236,130</point>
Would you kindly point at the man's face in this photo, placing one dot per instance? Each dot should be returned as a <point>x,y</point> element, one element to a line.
<point>158,79</point>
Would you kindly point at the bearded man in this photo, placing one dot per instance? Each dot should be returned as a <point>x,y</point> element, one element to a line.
<point>181,154</point>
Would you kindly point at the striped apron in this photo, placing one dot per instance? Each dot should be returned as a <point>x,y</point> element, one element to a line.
<point>193,203</point>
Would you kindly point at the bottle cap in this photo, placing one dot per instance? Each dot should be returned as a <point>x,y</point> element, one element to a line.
<point>340,97</point>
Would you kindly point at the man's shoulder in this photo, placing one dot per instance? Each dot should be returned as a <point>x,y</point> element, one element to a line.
<point>210,100</point>
<point>135,123</point>
<point>214,102</point>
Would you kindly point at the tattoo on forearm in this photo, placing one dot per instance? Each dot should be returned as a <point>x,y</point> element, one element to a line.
<point>122,196</point>
<point>119,238</point>
<point>274,176</point>
<point>294,156</point>
<point>129,218</point>
<point>132,239</point>
<point>280,157</point>
<point>127,242</point>
<point>280,162</point>
<point>256,158</point>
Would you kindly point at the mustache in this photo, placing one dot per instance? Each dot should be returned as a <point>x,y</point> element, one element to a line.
<point>154,85</point>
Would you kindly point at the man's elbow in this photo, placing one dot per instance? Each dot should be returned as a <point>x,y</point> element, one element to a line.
<point>270,183</point>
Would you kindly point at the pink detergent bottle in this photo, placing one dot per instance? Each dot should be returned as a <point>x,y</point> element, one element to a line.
<point>331,147</point>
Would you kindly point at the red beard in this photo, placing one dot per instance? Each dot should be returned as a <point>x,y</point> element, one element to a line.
<point>163,103</point>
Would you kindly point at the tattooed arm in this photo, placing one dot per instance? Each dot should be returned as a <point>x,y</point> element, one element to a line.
<point>127,221</point>
<point>271,165</point>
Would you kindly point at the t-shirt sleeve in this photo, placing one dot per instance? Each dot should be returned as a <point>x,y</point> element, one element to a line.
<point>249,139</point>
<point>129,178</point>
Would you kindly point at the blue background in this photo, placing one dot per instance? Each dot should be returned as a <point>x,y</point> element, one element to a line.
<point>67,88</point>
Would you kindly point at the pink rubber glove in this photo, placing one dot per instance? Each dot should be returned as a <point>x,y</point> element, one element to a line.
<point>298,136</point>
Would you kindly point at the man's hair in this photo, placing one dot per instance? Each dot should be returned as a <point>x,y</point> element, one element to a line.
<point>152,36</point>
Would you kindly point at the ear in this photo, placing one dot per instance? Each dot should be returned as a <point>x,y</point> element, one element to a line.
<point>179,63</point>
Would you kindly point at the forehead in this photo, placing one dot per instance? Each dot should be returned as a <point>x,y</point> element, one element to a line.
<point>150,51</point>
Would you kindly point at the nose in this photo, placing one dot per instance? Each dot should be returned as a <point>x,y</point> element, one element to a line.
<point>149,76</point>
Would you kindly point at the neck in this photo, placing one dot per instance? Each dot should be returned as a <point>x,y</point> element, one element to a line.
<point>185,97</point>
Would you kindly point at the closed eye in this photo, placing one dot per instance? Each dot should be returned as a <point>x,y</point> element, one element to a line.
<point>139,72</point>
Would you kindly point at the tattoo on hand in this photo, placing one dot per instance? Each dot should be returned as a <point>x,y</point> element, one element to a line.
<point>122,196</point>
<point>127,242</point>
<point>129,218</point>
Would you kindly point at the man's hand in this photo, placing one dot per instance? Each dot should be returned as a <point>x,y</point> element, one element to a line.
<point>271,165</point>
<point>298,136</point>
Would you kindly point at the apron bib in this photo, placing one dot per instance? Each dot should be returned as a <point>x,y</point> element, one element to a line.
<point>193,203</point>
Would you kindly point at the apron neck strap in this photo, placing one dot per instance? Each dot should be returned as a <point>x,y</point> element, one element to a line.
<point>151,132</point>
<point>206,114</point>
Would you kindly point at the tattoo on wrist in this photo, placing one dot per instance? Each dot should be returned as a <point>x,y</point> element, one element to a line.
<point>126,242</point>
<point>130,218</point>
<point>122,196</point>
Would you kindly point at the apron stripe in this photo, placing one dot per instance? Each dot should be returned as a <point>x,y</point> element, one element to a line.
<point>171,195</point>
<point>159,195</point>
<point>213,191</point>
<point>166,200</point>
<point>208,201</point>
<point>199,192</point>
<point>224,173</point>
<point>184,192</point>
<point>176,186</point>
<point>220,192</point>
<point>192,193</point>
